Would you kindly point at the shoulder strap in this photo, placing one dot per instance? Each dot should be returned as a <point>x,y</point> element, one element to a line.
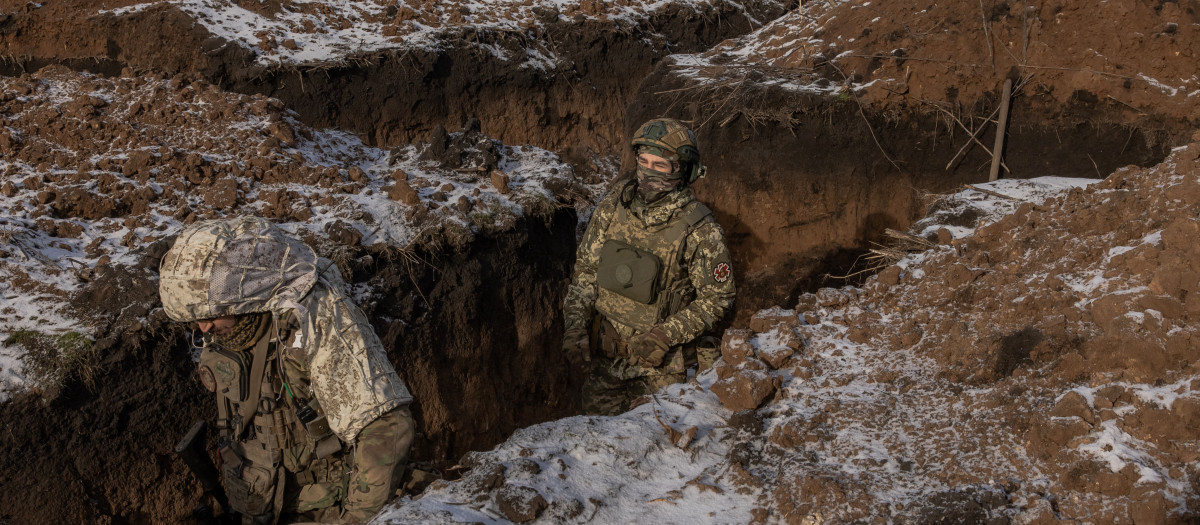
<point>258,367</point>
<point>697,214</point>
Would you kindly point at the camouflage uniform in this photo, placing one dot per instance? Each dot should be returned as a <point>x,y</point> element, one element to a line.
<point>695,287</point>
<point>326,428</point>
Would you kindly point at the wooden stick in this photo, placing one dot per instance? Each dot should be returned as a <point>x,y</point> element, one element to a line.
<point>973,136</point>
<point>1001,125</point>
<point>990,192</point>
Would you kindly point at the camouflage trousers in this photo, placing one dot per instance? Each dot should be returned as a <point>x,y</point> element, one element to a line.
<point>331,491</point>
<point>614,385</point>
<point>610,389</point>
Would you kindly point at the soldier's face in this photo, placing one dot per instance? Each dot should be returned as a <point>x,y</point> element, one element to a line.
<point>656,177</point>
<point>656,163</point>
<point>218,326</point>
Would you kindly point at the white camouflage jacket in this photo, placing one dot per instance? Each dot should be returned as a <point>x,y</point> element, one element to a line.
<point>248,265</point>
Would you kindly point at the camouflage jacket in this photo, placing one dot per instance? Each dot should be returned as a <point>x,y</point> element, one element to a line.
<point>248,265</point>
<point>708,287</point>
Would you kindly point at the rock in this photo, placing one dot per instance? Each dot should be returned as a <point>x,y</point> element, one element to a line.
<point>1073,404</point>
<point>778,356</point>
<point>831,297</point>
<point>402,192</point>
<point>520,504</point>
<point>500,181</point>
<point>765,320</point>
<point>745,389</point>
<point>889,276</point>
<point>1168,306</point>
<point>342,233</point>
<point>735,345</point>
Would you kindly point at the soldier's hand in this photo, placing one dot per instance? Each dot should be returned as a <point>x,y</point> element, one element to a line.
<point>650,348</point>
<point>576,347</point>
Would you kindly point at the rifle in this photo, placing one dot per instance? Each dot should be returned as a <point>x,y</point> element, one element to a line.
<point>191,450</point>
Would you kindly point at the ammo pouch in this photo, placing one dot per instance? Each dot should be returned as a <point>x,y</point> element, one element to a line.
<point>628,271</point>
<point>250,487</point>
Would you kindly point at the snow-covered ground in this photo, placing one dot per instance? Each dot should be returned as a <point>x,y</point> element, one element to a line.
<point>309,32</point>
<point>877,421</point>
<point>46,254</point>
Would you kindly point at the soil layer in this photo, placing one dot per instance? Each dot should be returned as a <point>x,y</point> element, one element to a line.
<point>399,96</point>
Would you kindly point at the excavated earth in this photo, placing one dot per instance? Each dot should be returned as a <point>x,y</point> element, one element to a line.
<point>436,237</point>
<point>1036,362</point>
<point>458,246</point>
<point>821,129</point>
<point>839,119</point>
<point>556,75</point>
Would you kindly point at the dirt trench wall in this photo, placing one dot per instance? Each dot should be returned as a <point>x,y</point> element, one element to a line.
<point>476,337</point>
<point>103,453</point>
<point>471,333</point>
<point>803,185</point>
<point>397,97</point>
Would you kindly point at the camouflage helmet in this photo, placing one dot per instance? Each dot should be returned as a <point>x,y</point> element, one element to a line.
<point>672,136</point>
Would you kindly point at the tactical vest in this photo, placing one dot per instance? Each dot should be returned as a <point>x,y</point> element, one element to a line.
<point>267,425</point>
<point>641,274</point>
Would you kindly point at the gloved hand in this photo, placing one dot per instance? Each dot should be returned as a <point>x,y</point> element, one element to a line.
<point>575,346</point>
<point>649,348</point>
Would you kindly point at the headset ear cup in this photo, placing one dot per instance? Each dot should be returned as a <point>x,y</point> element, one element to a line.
<point>697,172</point>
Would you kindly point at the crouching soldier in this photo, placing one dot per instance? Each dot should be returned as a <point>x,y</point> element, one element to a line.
<point>652,276</point>
<point>313,419</point>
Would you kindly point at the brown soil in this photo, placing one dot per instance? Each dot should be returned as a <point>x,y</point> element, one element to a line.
<point>470,313</point>
<point>108,169</point>
<point>398,96</point>
<point>859,160</point>
<point>1088,292</point>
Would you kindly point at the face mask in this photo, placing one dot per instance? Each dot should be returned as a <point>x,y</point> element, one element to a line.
<point>654,185</point>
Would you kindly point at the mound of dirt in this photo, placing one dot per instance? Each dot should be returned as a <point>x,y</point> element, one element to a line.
<point>1065,360</point>
<point>833,122</point>
<point>1044,368</point>
<point>553,74</point>
<point>96,176</point>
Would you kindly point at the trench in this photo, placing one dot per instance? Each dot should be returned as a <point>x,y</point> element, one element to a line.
<point>802,202</point>
<point>475,333</point>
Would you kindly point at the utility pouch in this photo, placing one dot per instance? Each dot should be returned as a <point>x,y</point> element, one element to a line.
<point>249,487</point>
<point>228,370</point>
<point>316,428</point>
<point>610,340</point>
<point>628,271</point>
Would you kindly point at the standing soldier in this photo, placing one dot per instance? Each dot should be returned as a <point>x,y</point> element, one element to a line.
<point>651,276</point>
<point>314,420</point>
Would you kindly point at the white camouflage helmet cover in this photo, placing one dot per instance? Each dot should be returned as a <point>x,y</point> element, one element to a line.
<point>232,267</point>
